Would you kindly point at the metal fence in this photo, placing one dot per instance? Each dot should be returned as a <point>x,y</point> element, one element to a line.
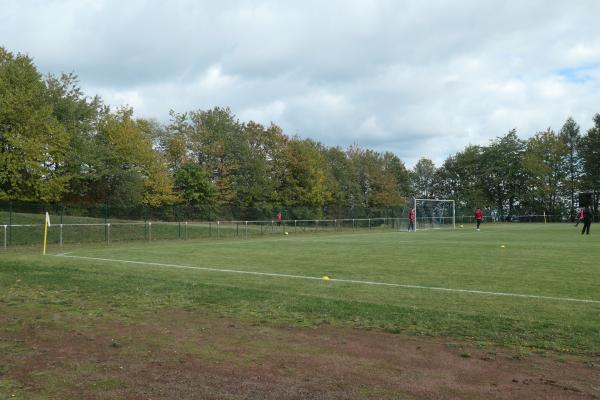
<point>26,228</point>
<point>110,232</point>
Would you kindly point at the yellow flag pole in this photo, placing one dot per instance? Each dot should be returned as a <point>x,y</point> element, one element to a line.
<point>46,224</point>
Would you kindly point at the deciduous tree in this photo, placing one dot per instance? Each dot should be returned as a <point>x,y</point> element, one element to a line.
<point>33,143</point>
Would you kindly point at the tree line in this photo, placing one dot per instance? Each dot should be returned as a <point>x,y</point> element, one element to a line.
<point>59,145</point>
<point>543,174</point>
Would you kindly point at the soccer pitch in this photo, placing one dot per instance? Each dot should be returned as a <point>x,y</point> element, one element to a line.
<point>526,285</point>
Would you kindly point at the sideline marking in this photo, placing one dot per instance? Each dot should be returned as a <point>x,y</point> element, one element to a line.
<point>399,285</point>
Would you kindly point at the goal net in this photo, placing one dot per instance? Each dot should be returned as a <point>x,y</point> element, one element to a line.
<point>434,214</point>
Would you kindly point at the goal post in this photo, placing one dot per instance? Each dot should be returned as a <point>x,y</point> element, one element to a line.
<point>434,214</point>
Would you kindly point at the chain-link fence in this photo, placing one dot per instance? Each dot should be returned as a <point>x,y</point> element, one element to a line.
<point>110,232</point>
<point>22,224</point>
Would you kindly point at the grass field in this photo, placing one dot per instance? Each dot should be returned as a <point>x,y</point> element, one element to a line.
<point>531,287</point>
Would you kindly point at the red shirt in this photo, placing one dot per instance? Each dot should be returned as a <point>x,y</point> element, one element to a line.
<point>478,214</point>
<point>411,215</point>
<point>580,214</point>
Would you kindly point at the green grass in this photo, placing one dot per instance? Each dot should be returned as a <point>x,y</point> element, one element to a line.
<point>543,260</point>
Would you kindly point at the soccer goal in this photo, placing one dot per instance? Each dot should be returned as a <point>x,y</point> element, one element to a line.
<point>434,214</point>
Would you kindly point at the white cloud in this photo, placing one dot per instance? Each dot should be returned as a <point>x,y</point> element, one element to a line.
<point>215,79</point>
<point>584,52</point>
<point>415,78</point>
<point>264,114</point>
<point>130,98</point>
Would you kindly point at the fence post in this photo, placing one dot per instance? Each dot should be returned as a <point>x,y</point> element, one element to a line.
<point>353,224</point>
<point>10,223</point>
<point>5,236</point>
<point>335,225</point>
<point>106,228</point>
<point>150,231</point>
<point>108,233</point>
<point>295,225</point>
<point>369,223</point>
<point>186,233</point>
<point>246,231</point>
<point>61,233</point>
<point>218,229</point>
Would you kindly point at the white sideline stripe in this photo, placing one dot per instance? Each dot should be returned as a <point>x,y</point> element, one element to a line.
<point>399,285</point>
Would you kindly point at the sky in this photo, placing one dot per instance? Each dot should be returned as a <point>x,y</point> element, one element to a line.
<point>418,78</point>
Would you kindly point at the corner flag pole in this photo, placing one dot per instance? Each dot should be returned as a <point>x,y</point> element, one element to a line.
<point>46,225</point>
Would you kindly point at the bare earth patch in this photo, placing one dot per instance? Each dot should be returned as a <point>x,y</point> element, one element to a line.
<point>187,355</point>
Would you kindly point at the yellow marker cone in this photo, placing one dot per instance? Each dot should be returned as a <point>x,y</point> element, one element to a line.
<point>325,278</point>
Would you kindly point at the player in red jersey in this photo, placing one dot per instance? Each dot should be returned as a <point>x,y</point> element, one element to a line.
<point>580,216</point>
<point>478,216</point>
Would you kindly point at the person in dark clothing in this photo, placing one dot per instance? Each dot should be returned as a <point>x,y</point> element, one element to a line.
<point>478,216</point>
<point>587,220</point>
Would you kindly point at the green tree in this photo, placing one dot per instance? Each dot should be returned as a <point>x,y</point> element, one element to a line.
<point>545,164</point>
<point>214,140</point>
<point>193,185</point>
<point>571,138</point>
<point>590,153</point>
<point>371,180</point>
<point>158,181</point>
<point>253,185</point>
<point>339,180</point>
<point>459,178</point>
<point>401,176</point>
<point>384,173</point>
<point>360,176</point>
<point>78,114</point>
<point>128,171</point>
<point>504,177</point>
<point>33,144</point>
<point>302,180</point>
<point>423,178</point>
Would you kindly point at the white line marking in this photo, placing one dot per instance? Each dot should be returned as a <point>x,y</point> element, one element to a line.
<point>399,285</point>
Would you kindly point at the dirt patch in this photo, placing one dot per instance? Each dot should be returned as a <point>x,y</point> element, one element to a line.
<point>187,355</point>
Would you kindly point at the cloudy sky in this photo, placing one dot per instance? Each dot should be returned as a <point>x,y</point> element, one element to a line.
<point>418,78</point>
